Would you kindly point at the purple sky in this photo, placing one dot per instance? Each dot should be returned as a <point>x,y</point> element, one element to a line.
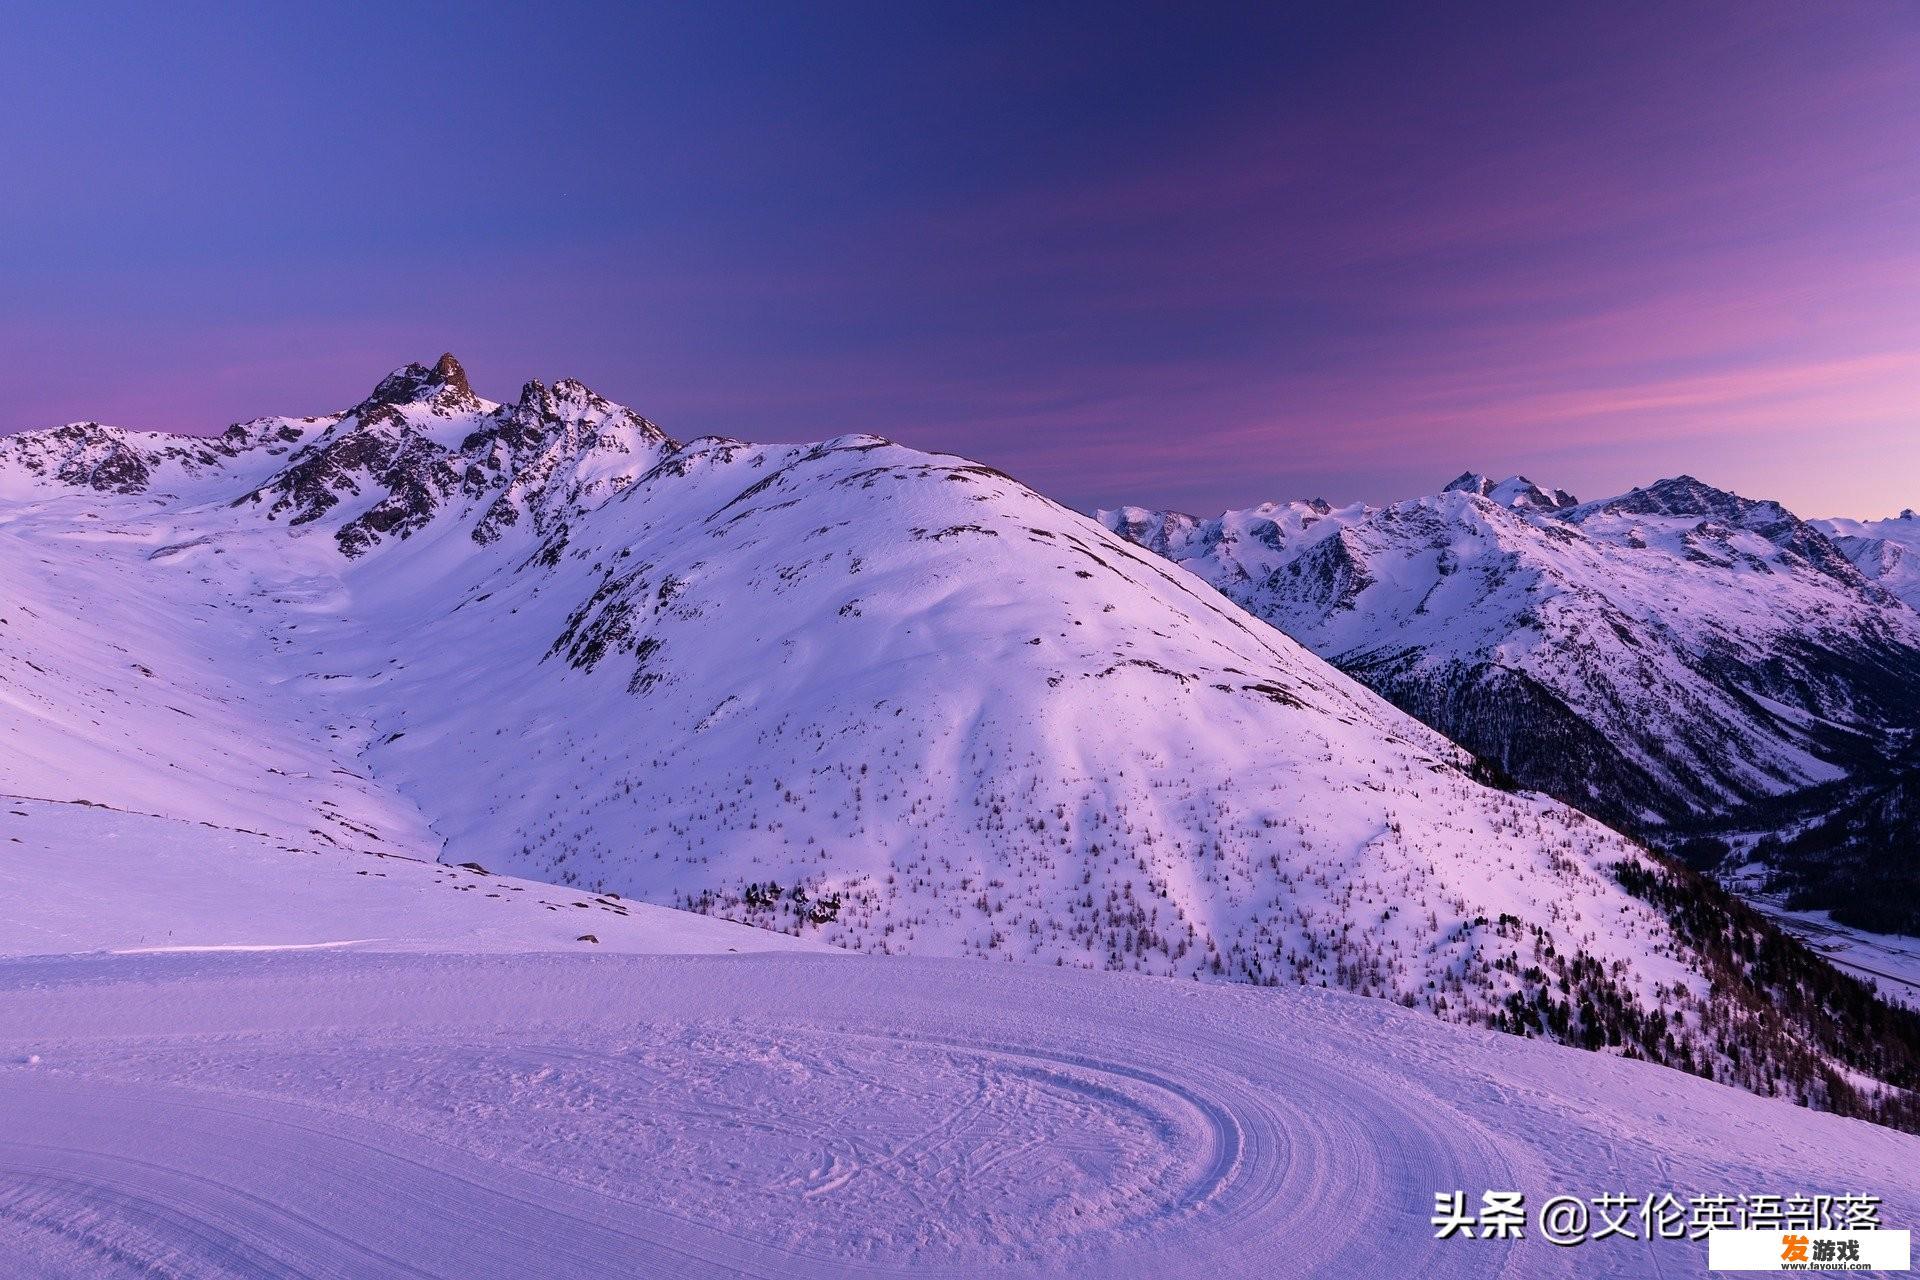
<point>1158,254</point>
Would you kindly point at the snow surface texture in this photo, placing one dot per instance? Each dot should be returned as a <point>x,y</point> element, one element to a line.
<point>337,1113</point>
<point>281,1060</point>
<point>1671,652</point>
<point>880,698</point>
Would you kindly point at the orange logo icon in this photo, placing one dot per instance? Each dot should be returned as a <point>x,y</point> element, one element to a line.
<point>1795,1250</point>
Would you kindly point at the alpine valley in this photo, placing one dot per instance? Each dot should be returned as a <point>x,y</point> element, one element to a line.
<point>897,702</point>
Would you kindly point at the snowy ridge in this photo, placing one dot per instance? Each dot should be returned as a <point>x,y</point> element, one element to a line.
<point>1887,551</point>
<point>1514,493</point>
<point>891,700</point>
<point>112,460</point>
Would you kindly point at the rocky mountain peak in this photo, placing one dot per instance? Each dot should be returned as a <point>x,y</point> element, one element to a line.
<point>443,385</point>
<point>451,373</point>
<point>566,398</point>
<point>1718,513</point>
<point>1514,493</point>
<point>1161,532</point>
<point>1683,496</point>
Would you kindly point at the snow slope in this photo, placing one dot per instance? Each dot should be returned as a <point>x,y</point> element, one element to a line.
<point>85,878</point>
<point>1888,551</point>
<point>348,1114</point>
<point>223,1056</point>
<point>886,699</point>
<point>1673,653</point>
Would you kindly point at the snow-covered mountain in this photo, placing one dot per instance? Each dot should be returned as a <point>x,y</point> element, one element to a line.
<point>1673,653</point>
<point>1887,551</point>
<point>889,699</point>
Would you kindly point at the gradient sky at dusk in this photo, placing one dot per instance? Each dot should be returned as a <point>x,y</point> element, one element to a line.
<point>1178,255</point>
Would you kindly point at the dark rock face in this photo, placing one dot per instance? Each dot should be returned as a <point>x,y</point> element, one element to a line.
<point>443,386</point>
<point>1532,736</point>
<point>451,375</point>
<point>409,471</point>
<point>120,470</point>
<point>525,451</point>
<point>1686,496</point>
<point>375,447</point>
<point>1154,530</point>
<point>1328,576</point>
<point>416,476</point>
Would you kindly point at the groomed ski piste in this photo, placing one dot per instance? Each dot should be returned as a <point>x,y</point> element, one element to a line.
<point>223,1054</point>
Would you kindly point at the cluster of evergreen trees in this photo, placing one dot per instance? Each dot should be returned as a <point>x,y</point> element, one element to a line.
<point>1786,1021</point>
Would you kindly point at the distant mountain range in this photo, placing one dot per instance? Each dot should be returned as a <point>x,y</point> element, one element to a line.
<point>1707,672</point>
<point>1888,551</point>
<point>898,701</point>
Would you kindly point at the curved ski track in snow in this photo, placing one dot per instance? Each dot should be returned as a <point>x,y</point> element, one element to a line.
<point>338,1114</point>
